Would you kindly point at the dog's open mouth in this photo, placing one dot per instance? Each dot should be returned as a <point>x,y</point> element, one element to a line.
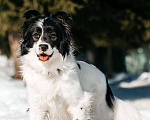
<point>44,57</point>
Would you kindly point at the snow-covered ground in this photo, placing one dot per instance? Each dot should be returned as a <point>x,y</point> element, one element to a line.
<point>13,102</point>
<point>134,89</point>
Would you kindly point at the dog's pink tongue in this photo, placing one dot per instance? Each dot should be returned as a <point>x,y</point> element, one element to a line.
<point>43,58</point>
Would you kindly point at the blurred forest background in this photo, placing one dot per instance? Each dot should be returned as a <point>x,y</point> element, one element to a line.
<point>114,35</point>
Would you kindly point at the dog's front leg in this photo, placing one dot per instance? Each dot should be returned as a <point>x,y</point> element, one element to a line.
<point>84,109</point>
<point>36,109</point>
<point>31,114</point>
<point>36,114</point>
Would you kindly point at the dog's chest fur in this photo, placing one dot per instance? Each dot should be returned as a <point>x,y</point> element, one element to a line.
<point>49,91</point>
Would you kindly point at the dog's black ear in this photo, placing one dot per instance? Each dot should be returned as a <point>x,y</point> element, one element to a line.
<point>62,16</point>
<point>29,14</point>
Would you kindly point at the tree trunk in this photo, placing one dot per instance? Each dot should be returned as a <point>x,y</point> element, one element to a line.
<point>14,47</point>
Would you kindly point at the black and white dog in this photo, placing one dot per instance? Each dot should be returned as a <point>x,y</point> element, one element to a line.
<point>58,84</point>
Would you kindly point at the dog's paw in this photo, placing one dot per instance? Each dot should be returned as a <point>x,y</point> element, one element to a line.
<point>84,110</point>
<point>83,113</point>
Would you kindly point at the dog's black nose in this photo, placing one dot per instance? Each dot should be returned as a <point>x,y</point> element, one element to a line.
<point>43,47</point>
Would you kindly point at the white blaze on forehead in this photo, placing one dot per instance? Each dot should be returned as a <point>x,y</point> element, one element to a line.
<point>40,24</point>
<point>50,50</point>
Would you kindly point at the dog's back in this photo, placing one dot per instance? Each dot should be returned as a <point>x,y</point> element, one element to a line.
<point>93,80</point>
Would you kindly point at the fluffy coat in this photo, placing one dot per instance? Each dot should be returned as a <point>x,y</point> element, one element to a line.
<point>61,86</point>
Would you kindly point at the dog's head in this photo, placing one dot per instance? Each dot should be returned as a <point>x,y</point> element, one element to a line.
<point>45,36</point>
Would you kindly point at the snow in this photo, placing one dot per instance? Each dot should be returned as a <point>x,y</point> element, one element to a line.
<point>13,103</point>
<point>132,88</point>
<point>141,81</point>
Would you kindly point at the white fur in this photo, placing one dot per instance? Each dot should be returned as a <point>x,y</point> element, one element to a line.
<point>70,93</point>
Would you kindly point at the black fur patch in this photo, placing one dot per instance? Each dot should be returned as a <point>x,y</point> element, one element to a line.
<point>109,96</point>
<point>26,33</point>
<point>28,110</point>
<point>79,66</point>
<point>31,13</point>
<point>59,72</point>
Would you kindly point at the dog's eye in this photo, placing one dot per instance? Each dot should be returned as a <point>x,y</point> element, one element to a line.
<point>53,37</point>
<point>36,36</point>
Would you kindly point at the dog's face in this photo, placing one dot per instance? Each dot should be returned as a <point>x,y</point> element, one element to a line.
<point>45,36</point>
